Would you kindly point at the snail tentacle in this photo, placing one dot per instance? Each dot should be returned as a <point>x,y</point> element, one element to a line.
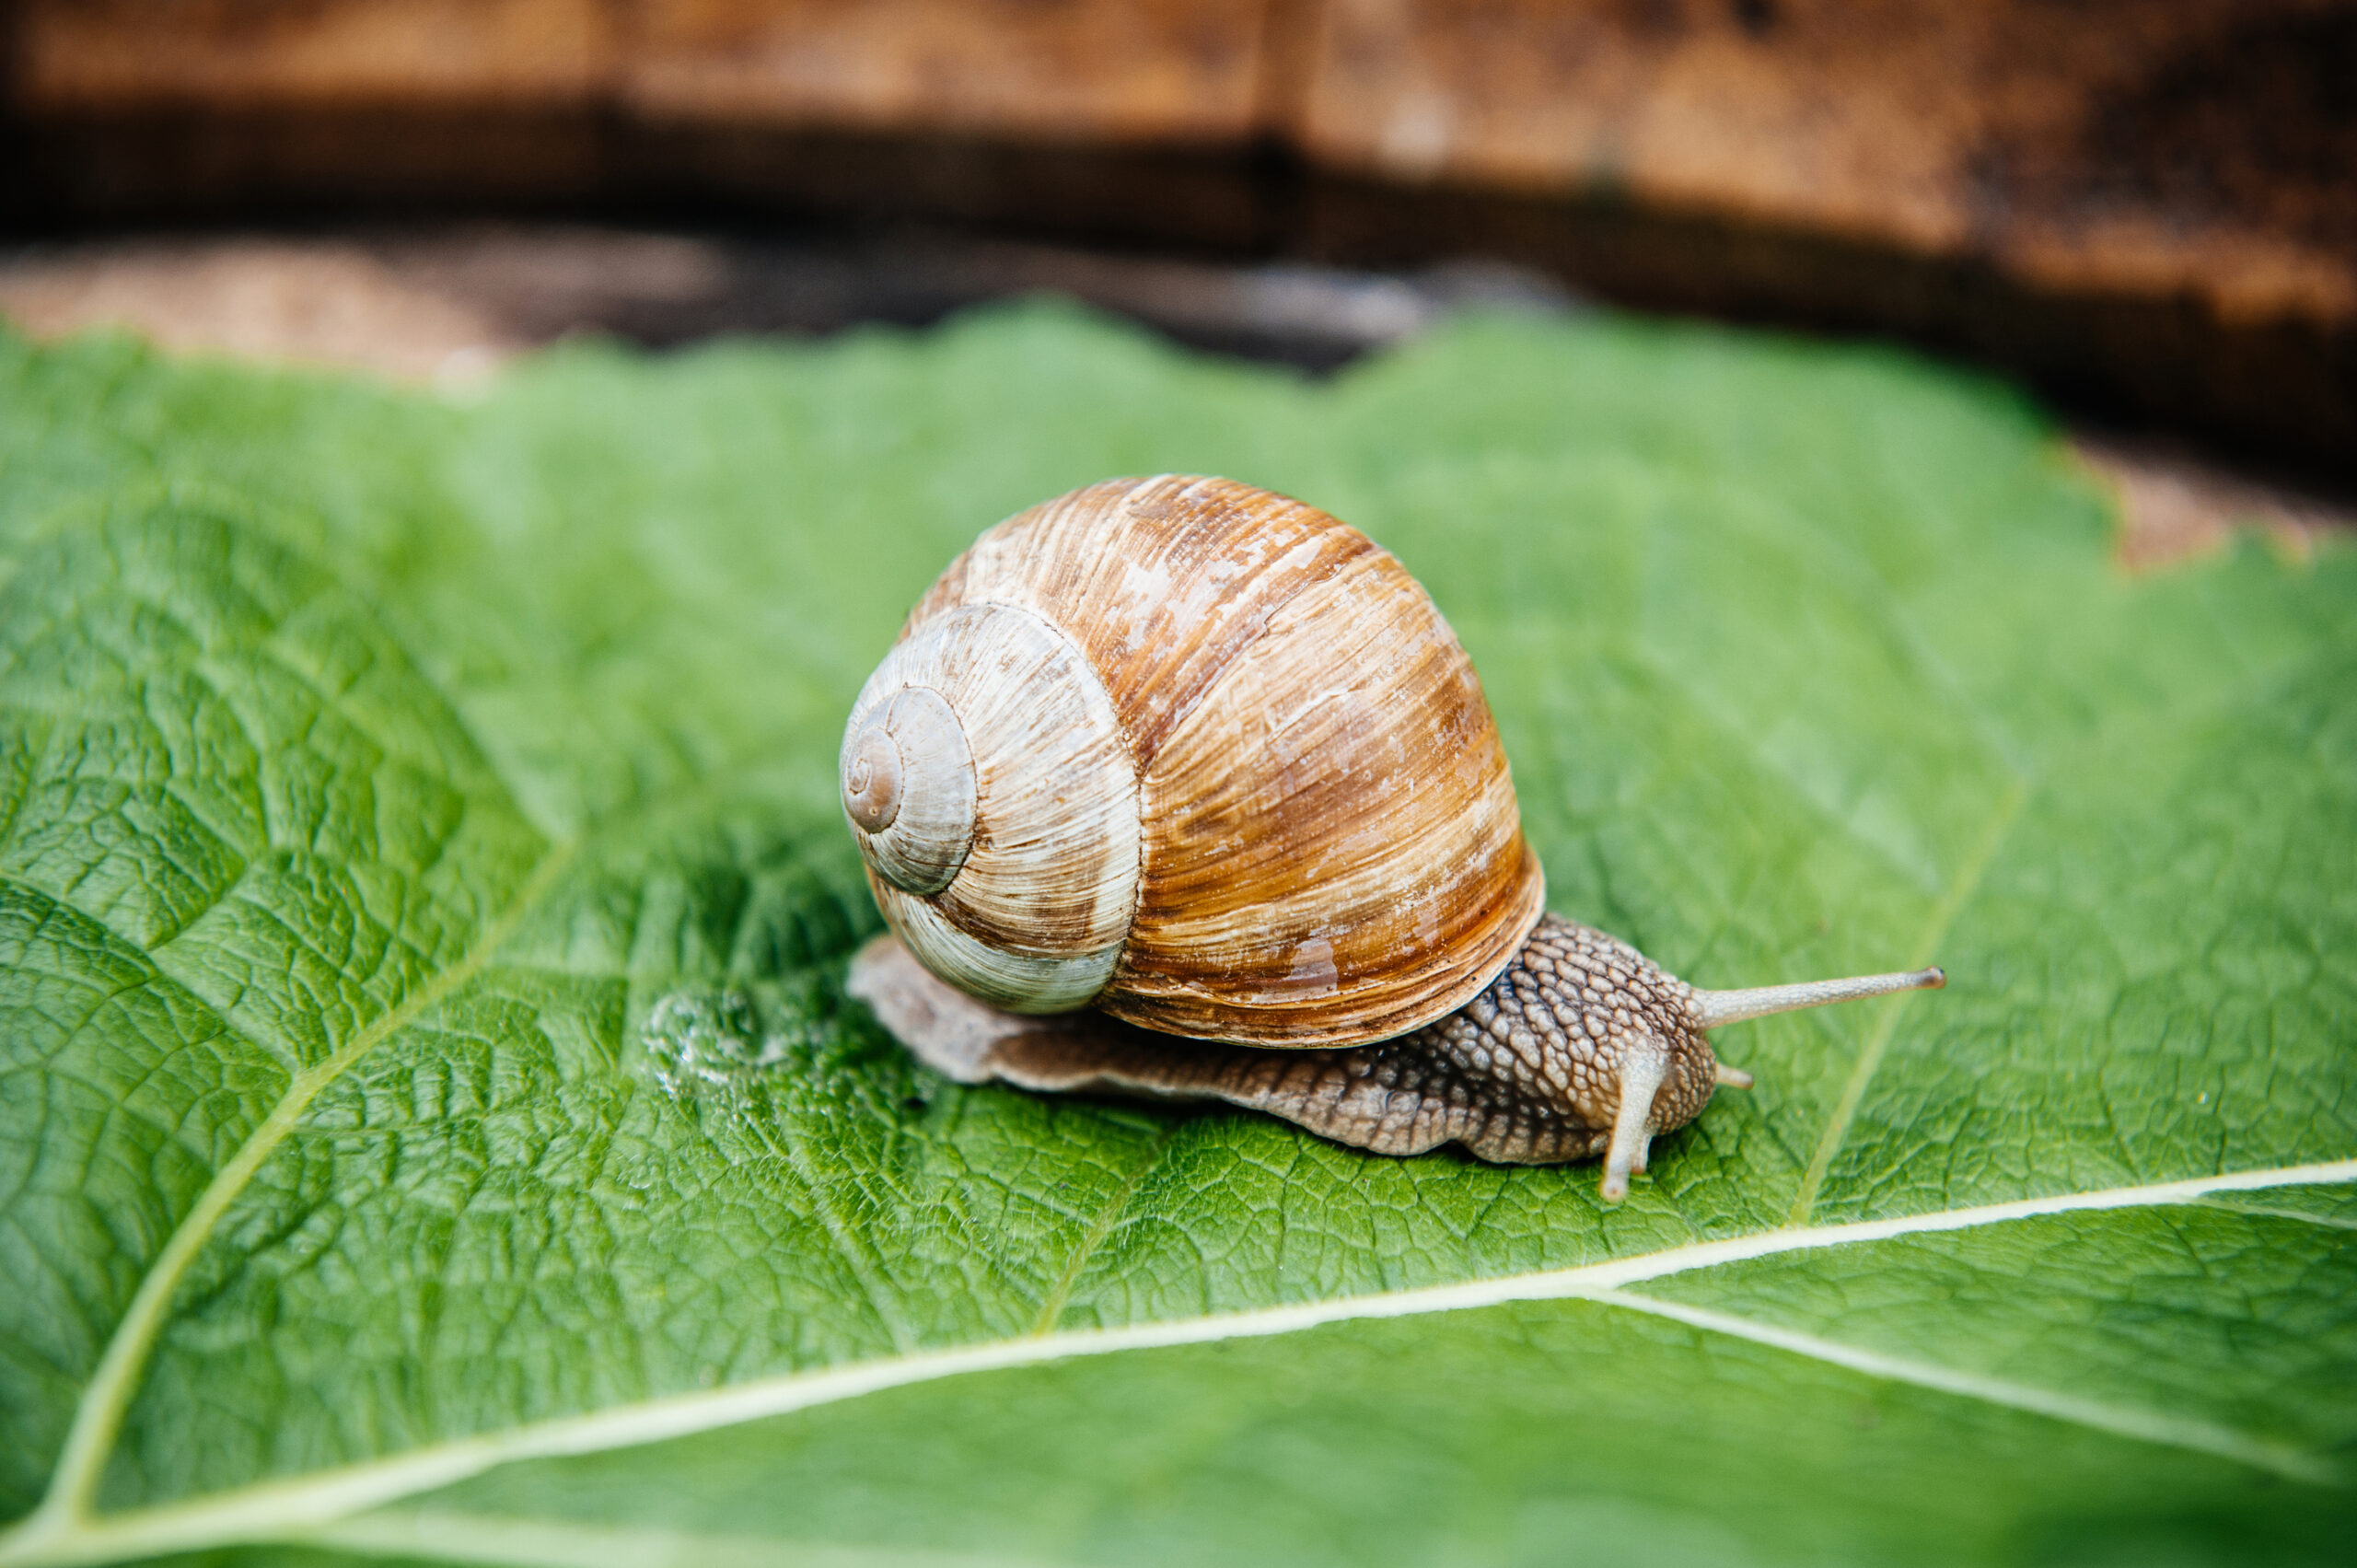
<point>1712,1008</point>
<point>1642,1068</point>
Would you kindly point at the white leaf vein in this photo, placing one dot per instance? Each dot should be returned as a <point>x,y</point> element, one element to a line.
<point>295,1508</point>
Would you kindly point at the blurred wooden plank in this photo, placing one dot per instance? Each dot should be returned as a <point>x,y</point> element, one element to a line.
<point>1202,199</point>
<point>2146,202</point>
<point>80,56</point>
<point>1118,71</point>
<point>2148,149</point>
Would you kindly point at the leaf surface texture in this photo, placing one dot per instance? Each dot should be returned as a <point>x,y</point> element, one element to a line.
<point>431,1125</point>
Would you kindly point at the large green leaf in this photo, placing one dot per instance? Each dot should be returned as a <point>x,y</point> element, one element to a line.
<point>433,1126</point>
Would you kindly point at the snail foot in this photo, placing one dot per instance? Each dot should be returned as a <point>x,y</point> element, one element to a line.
<point>1407,1096</point>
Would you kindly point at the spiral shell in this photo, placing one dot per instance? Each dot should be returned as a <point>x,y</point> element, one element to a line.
<point>1196,754</point>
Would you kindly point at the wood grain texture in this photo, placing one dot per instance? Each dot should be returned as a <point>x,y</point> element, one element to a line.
<point>1330,850</point>
<point>1112,70</point>
<point>2146,204</point>
<point>2193,147</point>
<point>99,54</point>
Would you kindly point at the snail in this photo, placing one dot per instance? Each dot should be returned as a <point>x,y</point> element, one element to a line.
<point>1178,788</point>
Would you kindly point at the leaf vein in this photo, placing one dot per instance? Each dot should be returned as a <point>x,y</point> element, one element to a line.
<point>271,1510</point>
<point>2143,1425</point>
<point>1944,914</point>
<point>97,1416</point>
<point>1052,1307</point>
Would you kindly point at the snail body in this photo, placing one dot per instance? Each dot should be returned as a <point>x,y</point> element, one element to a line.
<point>1180,788</point>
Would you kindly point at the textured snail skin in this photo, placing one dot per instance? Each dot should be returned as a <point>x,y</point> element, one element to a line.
<point>1527,1072</point>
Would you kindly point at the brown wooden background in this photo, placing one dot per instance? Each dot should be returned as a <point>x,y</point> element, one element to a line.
<point>2148,204</point>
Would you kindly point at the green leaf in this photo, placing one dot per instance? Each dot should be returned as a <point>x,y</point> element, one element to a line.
<point>433,1127</point>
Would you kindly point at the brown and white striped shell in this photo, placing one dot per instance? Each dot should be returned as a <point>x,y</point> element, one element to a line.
<point>1198,755</point>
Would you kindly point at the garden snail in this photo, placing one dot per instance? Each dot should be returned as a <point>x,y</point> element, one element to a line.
<point>1179,788</point>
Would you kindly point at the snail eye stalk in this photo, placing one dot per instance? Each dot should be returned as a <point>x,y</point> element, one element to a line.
<point>1712,1008</point>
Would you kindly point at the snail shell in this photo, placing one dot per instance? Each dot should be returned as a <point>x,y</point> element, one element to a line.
<point>1200,756</point>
